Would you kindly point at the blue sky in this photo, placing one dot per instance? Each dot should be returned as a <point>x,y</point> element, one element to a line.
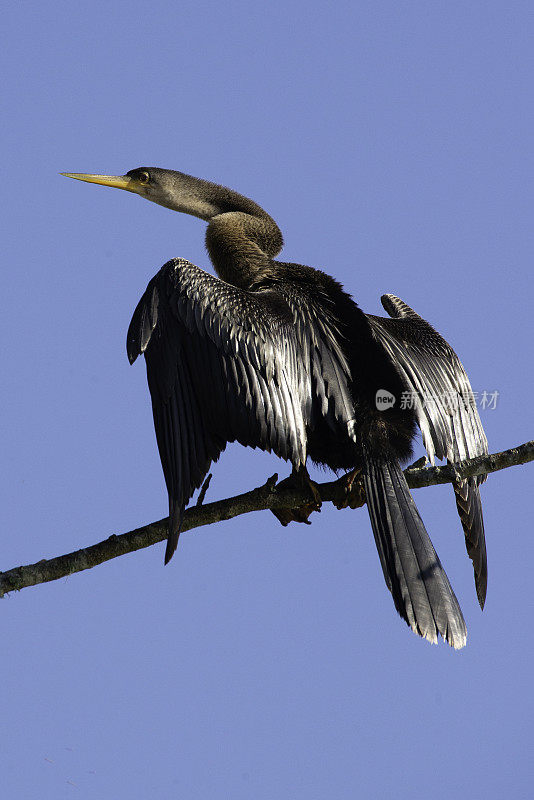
<point>393,144</point>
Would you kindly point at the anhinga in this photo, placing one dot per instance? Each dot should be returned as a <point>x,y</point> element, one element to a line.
<point>278,356</point>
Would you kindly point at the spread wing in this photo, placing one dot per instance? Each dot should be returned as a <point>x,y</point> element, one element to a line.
<point>224,365</point>
<point>445,409</point>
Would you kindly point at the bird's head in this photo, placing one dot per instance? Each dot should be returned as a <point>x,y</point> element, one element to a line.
<point>166,187</point>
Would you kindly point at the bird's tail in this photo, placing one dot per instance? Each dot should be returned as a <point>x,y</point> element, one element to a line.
<point>469,508</point>
<point>421,590</point>
<point>176,513</point>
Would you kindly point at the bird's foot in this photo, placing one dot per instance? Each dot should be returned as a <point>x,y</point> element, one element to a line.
<point>352,492</point>
<point>299,479</point>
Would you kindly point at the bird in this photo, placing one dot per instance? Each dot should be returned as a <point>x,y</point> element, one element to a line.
<point>278,356</point>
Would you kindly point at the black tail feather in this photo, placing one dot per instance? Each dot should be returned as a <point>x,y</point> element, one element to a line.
<point>469,508</point>
<point>421,590</point>
<point>176,513</point>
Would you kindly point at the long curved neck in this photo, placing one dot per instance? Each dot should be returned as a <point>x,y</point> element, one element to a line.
<point>241,246</point>
<point>241,239</point>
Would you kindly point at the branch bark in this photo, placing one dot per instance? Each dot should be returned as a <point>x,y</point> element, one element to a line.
<point>268,496</point>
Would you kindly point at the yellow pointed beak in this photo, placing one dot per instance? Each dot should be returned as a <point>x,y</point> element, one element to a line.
<point>116,181</point>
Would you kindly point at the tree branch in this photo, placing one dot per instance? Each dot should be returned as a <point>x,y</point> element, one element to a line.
<point>264,497</point>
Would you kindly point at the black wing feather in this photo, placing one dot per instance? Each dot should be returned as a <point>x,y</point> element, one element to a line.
<point>445,408</point>
<point>225,364</point>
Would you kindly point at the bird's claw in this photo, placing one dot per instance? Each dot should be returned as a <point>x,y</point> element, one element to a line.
<point>352,493</point>
<point>299,480</point>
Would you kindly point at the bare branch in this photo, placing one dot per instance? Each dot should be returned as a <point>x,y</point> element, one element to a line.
<point>264,497</point>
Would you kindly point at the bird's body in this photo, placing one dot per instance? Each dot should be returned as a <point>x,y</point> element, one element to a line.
<point>278,356</point>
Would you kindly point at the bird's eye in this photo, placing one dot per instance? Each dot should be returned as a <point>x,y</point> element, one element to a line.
<point>143,177</point>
